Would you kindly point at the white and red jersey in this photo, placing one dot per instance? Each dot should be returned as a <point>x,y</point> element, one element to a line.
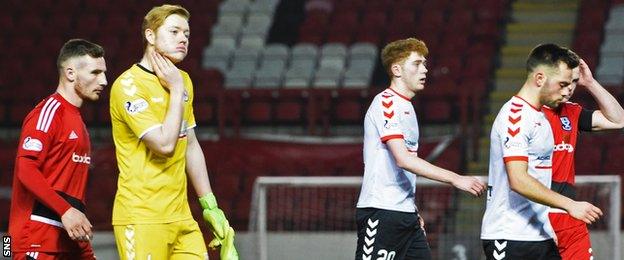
<point>566,121</point>
<point>385,185</point>
<point>520,133</point>
<point>50,176</point>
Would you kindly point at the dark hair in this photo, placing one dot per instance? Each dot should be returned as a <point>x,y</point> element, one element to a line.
<point>76,48</point>
<point>551,55</point>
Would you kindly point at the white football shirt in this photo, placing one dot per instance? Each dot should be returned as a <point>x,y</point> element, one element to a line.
<point>520,133</point>
<point>385,185</point>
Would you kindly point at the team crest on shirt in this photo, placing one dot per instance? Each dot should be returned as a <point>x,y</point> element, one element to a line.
<point>32,144</point>
<point>565,123</point>
<point>136,106</point>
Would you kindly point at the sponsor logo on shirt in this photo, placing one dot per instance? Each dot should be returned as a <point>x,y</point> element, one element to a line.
<point>73,135</point>
<point>32,144</point>
<point>544,157</point>
<point>565,123</point>
<point>564,147</point>
<point>136,106</point>
<point>81,158</point>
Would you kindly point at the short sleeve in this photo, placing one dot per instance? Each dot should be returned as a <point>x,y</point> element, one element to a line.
<point>386,117</point>
<point>129,103</point>
<point>514,133</point>
<point>191,114</point>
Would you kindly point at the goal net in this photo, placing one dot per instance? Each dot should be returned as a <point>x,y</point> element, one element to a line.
<point>314,217</point>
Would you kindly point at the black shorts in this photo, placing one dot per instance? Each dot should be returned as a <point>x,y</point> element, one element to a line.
<point>520,250</point>
<point>390,235</point>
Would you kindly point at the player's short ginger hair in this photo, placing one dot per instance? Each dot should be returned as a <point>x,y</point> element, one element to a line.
<point>156,17</point>
<point>398,51</point>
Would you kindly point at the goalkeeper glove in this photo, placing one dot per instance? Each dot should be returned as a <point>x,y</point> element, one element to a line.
<point>214,216</point>
<point>228,251</point>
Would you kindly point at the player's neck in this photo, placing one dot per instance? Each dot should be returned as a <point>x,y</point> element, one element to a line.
<point>68,93</point>
<point>403,90</point>
<point>530,94</point>
<point>145,63</point>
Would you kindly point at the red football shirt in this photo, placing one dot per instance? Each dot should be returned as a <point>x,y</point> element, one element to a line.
<point>50,176</point>
<point>566,121</point>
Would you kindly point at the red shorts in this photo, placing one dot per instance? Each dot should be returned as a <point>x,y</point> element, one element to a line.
<point>45,239</point>
<point>572,237</point>
<point>53,256</point>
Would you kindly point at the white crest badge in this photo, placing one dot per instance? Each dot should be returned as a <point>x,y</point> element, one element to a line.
<point>565,123</point>
<point>136,106</point>
<point>32,144</point>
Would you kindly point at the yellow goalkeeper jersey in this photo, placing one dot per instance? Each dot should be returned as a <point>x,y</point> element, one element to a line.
<point>151,188</point>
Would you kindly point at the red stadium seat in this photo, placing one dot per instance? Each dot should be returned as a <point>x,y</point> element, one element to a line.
<point>205,112</point>
<point>349,111</point>
<point>59,22</point>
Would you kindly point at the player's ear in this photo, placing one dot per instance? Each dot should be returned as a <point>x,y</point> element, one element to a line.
<point>150,36</point>
<point>69,73</point>
<point>540,78</point>
<point>396,70</point>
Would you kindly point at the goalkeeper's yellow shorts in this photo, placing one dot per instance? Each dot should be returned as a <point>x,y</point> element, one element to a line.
<point>176,241</point>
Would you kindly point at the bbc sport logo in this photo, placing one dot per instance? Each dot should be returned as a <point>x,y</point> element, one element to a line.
<point>6,246</point>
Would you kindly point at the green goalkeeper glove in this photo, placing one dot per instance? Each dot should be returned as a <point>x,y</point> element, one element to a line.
<point>214,216</point>
<point>228,251</point>
<point>223,233</point>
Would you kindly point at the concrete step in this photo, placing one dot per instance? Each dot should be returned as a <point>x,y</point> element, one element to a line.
<point>516,50</point>
<point>518,62</point>
<point>533,39</point>
<point>510,73</point>
<point>540,27</point>
<point>509,83</point>
<point>495,106</point>
<point>545,6</point>
<point>526,16</point>
<point>502,95</point>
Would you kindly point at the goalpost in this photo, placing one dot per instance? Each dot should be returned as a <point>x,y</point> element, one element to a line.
<point>314,217</point>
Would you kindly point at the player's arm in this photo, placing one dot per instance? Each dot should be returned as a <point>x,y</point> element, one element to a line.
<point>75,222</point>
<point>198,173</point>
<point>611,113</point>
<point>524,184</point>
<point>196,165</point>
<point>163,139</point>
<point>412,163</point>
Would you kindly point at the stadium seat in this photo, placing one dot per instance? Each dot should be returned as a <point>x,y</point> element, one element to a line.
<point>610,70</point>
<point>257,24</point>
<point>236,7</point>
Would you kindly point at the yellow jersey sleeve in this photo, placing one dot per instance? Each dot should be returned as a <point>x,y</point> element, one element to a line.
<point>130,103</point>
<point>191,95</point>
